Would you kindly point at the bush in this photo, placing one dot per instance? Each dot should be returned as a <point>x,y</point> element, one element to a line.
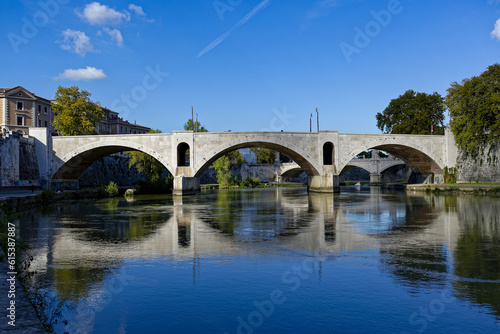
<point>159,186</point>
<point>112,189</point>
<point>250,182</point>
<point>48,195</point>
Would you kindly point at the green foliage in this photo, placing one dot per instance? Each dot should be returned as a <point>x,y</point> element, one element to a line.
<point>264,155</point>
<point>250,182</point>
<point>48,196</point>
<point>158,186</point>
<point>224,176</point>
<point>235,159</point>
<point>413,113</point>
<point>194,126</point>
<point>75,113</point>
<point>365,154</point>
<point>146,164</point>
<point>474,108</point>
<point>223,166</point>
<point>111,189</point>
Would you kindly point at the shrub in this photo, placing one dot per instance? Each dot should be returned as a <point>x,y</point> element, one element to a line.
<point>251,182</point>
<point>111,189</point>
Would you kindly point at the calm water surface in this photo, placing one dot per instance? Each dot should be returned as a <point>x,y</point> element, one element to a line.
<point>271,261</point>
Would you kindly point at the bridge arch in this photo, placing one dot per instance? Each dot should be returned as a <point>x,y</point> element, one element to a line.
<point>422,160</point>
<point>74,163</point>
<point>303,159</point>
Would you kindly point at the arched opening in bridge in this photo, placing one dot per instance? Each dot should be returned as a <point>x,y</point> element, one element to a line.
<point>183,155</point>
<point>283,159</point>
<point>328,154</point>
<point>94,166</point>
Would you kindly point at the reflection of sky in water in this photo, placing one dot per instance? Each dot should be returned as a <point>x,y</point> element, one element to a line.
<point>370,223</point>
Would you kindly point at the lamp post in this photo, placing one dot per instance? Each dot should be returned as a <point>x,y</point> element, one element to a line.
<point>317,117</point>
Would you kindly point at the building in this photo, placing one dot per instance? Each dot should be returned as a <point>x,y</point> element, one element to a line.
<point>21,109</point>
<point>112,123</point>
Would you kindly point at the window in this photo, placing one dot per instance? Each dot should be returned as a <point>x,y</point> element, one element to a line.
<point>39,109</point>
<point>45,123</point>
<point>45,110</point>
<point>20,120</point>
<point>20,105</point>
<point>39,123</point>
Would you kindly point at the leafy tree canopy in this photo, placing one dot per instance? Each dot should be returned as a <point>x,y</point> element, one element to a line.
<point>75,113</point>
<point>413,113</point>
<point>194,126</point>
<point>264,155</point>
<point>146,164</point>
<point>474,106</point>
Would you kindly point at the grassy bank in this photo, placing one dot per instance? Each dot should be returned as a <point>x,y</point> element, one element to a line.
<point>491,189</point>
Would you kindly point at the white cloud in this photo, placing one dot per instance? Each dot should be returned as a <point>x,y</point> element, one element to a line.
<point>139,12</point>
<point>136,9</point>
<point>496,32</point>
<point>115,35</point>
<point>86,74</point>
<point>77,42</point>
<point>97,14</point>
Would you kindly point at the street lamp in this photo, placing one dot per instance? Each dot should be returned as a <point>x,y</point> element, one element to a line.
<point>317,116</point>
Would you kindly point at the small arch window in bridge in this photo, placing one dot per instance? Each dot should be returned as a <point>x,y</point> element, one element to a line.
<point>183,155</point>
<point>328,153</point>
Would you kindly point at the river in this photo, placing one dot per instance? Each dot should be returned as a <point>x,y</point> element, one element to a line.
<point>272,260</point>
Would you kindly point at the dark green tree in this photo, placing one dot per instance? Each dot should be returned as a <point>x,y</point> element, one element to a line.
<point>146,164</point>
<point>413,113</point>
<point>75,113</point>
<point>474,106</point>
<point>264,155</point>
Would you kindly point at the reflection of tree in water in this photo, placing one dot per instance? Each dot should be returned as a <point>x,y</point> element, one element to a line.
<point>74,283</point>
<point>477,255</point>
<point>414,266</point>
<point>124,224</point>
<point>109,222</point>
<point>254,214</point>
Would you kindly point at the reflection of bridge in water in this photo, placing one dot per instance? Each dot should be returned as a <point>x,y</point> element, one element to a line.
<point>417,239</point>
<point>307,224</point>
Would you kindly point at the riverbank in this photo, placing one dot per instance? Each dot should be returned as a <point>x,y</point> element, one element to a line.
<point>468,188</point>
<point>21,317</point>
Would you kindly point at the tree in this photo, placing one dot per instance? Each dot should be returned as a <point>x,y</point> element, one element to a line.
<point>264,155</point>
<point>222,166</point>
<point>75,113</point>
<point>146,164</point>
<point>194,126</point>
<point>474,107</point>
<point>413,113</point>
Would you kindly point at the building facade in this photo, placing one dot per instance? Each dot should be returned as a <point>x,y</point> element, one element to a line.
<point>112,123</point>
<point>21,109</point>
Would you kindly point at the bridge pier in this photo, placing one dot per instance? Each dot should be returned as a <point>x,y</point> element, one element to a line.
<point>375,179</point>
<point>328,183</point>
<point>185,185</point>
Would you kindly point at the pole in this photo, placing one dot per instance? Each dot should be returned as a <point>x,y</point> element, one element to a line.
<point>192,117</point>
<point>196,122</point>
<point>317,114</point>
<point>311,123</point>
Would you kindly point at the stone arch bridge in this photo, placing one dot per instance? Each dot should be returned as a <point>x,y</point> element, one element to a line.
<point>322,155</point>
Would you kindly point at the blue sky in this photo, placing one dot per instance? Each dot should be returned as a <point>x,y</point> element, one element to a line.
<point>248,65</point>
